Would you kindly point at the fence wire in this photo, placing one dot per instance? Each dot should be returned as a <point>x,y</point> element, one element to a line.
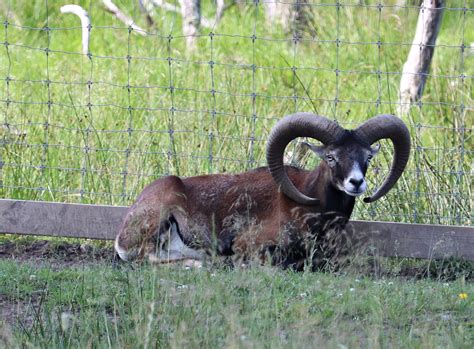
<point>97,127</point>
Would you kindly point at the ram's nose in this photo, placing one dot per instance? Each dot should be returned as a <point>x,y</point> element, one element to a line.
<point>356,182</point>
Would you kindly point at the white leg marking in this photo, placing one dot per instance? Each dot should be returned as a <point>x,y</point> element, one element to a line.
<point>172,248</point>
<point>123,254</point>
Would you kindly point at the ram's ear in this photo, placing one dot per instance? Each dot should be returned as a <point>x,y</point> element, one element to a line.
<point>319,150</point>
<point>375,149</point>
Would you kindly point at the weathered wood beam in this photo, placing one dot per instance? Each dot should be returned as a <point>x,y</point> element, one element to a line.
<point>59,219</point>
<point>417,240</point>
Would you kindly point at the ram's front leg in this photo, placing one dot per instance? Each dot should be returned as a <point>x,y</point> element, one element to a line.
<point>137,236</point>
<point>169,246</point>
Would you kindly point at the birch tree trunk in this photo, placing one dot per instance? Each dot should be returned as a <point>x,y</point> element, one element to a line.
<point>115,10</point>
<point>416,68</point>
<point>291,15</point>
<point>191,12</point>
<point>274,11</point>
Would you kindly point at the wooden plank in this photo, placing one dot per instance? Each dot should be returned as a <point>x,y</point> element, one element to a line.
<point>417,240</point>
<point>59,219</point>
<point>102,222</point>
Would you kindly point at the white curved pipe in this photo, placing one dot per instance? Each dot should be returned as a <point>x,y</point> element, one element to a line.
<point>85,23</point>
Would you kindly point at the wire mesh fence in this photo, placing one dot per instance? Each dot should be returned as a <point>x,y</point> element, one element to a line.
<point>97,127</point>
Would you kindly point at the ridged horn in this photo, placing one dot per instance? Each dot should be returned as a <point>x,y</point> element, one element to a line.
<point>287,129</point>
<point>393,128</point>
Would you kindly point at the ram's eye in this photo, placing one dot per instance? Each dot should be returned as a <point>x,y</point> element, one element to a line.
<point>329,157</point>
<point>369,157</point>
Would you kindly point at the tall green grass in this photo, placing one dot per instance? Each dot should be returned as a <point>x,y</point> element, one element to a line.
<point>107,151</point>
<point>100,306</point>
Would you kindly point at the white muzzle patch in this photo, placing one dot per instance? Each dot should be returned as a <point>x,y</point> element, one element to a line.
<point>355,184</point>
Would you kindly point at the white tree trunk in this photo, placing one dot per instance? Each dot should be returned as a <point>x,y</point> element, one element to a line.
<point>149,5</point>
<point>220,7</point>
<point>415,69</point>
<point>191,12</point>
<point>291,15</point>
<point>113,9</point>
<point>277,11</point>
<point>165,5</point>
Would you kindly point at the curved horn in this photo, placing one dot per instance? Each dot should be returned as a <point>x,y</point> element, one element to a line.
<point>287,129</point>
<point>393,128</point>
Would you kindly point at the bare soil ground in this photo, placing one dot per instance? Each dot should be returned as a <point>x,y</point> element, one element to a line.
<point>55,254</point>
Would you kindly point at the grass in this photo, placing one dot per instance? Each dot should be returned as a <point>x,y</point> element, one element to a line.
<point>86,137</point>
<point>97,130</point>
<point>101,306</point>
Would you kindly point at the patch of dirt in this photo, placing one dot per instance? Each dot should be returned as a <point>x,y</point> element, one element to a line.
<point>58,254</point>
<point>19,312</point>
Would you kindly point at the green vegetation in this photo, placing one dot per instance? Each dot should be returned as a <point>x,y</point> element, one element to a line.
<point>101,306</point>
<point>58,147</point>
<point>97,130</point>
